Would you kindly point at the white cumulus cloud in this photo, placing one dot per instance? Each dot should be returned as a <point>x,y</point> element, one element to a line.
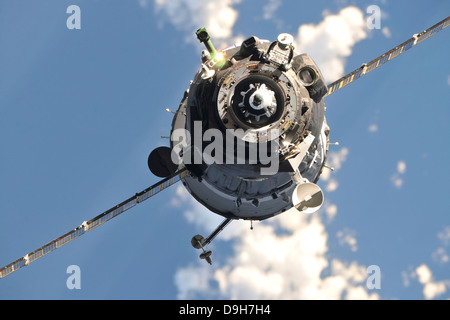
<point>431,288</point>
<point>401,167</point>
<point>331,41</point>
<point>440,255</point>
<point>270,8</point>
<point>386,32</point>
<point>283,258</point>
<point>332,185</point>
<point>373,128</point>
<point>347,237</point>
<point>331,211</point>
<point>444,236</point>
<point>218,16</point>
<point>397,177</point>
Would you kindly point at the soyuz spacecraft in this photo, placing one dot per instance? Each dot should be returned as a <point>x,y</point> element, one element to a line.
<point>249,139</point>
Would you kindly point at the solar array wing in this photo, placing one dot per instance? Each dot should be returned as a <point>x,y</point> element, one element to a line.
<point>92,224</point>
<point>387,56</point>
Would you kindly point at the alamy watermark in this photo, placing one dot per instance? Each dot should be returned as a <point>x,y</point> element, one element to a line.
<point>74,280</point>
<point>374,20</point>
<point>374,277</point>
<point>215,146</point>
<point>74,20</point>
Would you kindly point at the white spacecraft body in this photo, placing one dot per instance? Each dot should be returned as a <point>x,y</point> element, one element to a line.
<point>263,103</point>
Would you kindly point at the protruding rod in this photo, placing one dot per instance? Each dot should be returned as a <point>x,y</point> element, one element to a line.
<point>205,38</point>
<point>218,229</point>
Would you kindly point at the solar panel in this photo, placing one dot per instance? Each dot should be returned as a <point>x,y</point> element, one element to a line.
<point>93,223</point>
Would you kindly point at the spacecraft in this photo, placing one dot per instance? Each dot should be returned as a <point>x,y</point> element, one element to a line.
<point>249,139</point>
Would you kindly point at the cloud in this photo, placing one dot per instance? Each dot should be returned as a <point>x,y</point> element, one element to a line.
<point>406,276</point>
<point>373,128</point>
<point>331,211</point>
<point>181,195</point>
<point>386,32</point>
<point>218,16</point>
<point>270,8</point>
<point>444,236</point>
<point>440,255</point>
<point>347,237</point>
<point>431,289</point>
<point>331,41</point>
<point>284,258</point>
<point>332,185</point>
<point>401,167</point>
<point>398,182</point>
<point>192,277</point>
<point>396,178</point>
<point>335,159</point>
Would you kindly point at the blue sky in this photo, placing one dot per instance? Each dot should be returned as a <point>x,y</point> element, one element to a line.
<point>80,110</point>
